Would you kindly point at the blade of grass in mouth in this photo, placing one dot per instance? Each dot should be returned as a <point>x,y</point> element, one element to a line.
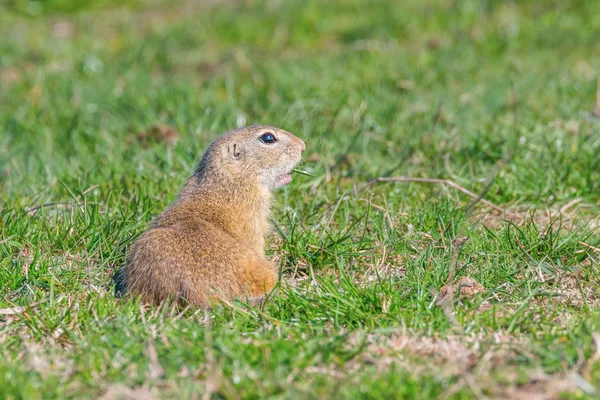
<point>301,172</point>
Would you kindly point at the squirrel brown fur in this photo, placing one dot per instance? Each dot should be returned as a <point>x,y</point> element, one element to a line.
<point>209,244</point>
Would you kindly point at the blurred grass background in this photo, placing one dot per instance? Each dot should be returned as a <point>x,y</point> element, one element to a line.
<point>107,106</point>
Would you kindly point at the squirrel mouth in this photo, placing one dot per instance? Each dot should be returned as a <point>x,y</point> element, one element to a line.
<point>284,179</point>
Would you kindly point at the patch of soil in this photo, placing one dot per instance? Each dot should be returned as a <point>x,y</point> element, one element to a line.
<point>467,287</point>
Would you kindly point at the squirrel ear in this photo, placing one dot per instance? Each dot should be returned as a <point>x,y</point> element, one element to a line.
<point>234,150</point>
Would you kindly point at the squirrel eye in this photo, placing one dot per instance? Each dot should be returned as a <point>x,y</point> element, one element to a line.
<point>268,138</point>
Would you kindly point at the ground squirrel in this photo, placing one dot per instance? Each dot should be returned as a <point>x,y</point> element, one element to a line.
<point>209,244</point>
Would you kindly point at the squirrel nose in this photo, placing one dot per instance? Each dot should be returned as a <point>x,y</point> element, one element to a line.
<point>302,144</point>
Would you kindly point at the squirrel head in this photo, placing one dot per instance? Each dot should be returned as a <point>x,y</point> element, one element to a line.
<point>261,153</point>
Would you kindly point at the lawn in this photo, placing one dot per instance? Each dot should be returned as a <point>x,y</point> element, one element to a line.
<point>402,289</point>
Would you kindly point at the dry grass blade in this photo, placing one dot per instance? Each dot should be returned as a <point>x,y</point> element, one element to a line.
<point>121,392</point>
<point>457,245</point>
<point>36,208</point>
<point>595,249</point>
<point>434,181</point>
<point>12,310</point>
<point>19,309</point>
<point>155,370</point>
<point>445,297</point>
<point>6,239</point>
<point>446,304</point>
<point>88,190</point>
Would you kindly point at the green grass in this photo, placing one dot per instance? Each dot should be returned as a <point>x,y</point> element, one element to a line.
<point>497,96</point>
